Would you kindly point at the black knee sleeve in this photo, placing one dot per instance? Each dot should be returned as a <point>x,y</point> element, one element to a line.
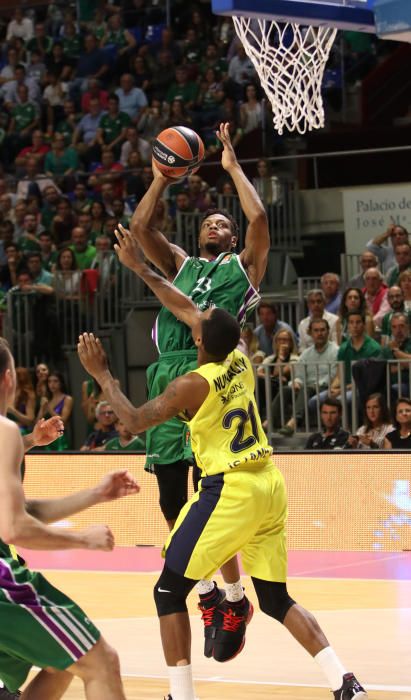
<point>171,591</point>
<point>273,598</point>
<point>172,486</point>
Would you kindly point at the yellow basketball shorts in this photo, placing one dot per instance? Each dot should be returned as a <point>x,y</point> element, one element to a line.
<point>239,511</point>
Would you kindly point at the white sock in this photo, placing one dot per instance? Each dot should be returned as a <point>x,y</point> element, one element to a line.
<point>234,591</point>
<point>331,666</point>
<point>181,682</point>
<point>204,587</point>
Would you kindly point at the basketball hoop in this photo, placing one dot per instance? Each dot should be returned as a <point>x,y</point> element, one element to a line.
<point>290,60</point>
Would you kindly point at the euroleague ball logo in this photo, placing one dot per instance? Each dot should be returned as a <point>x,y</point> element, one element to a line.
<point>171,160</point>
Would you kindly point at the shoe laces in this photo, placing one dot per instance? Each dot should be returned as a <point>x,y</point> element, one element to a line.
<point>232,620</point>
<point>207,614</point>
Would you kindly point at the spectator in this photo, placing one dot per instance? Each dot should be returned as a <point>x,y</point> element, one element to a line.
<point>14,96</point>
<point>106,430</point>
<point>20,26</point>
<point>284,352</point>
<point>54,97</point>
<point>58,403</point>
<point>24,120</point>
<point>313,373</point>
<point>68,123</point>
<point>383,245</point>
<point>61,163</point>
<point>178,115</point>
<point>72,41</point>
<point>132,100</point>
<point>28,240</point>
<point>63,223</point>
<point>91,395</point>
<point>40,42</point>
<point>41,277</point>
<point>22,410</point>
<point>34,182</point>
<point>375,292</point>
<point>395,299</point>
<point>85,135</point>
<point>109,171</point>
<point>266,183</point>
<point>84,253</point>
<point>330,284</point>
<point>141,75</point>
<point>377,424</point>
<point>58,64</point>
<point>162,75</point>
<point>80,201</point>
<point>36,69</point>
<point>212,59</point>
<point>359,346</point>
<point>134,142</point>
<point>209,99</point>
<point>400,438</point>
<point>402,252</point>
<point>168,43</point>
<point>47,250</point>
<point>399,348</point>
<point>353,299</point>
<point>7,73</point>
<point>269,325</point>
<point>67,276</point>
<point>316,308</point>
<point>94,92</point>
<point>199,193</point>
<point>113,127</point>
<point>37,150</point>
<point>125,442</point>
<point>333,436</point>
<point>98,218</point>
<point>92,64</point>
<point>183,89</point>
<point>366,260</point>
<point>404,281</point>
<point>251,110</point>
<point>153,120</point>
<point>6,237</point>
<point>41,387</point>
<point>248,342</point>
<point>119,38</point>
<point>8,271</point>
<point>240,72</point>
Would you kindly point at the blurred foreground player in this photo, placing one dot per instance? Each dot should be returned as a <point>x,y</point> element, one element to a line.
<point>241,505</point>
<point>40,626</point>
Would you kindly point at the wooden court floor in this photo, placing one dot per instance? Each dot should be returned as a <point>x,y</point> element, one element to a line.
<point>367,621</point>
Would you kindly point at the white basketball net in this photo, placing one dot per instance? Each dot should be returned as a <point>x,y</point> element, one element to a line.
<point>290,60</point>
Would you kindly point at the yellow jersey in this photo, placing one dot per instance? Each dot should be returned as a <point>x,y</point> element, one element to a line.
<point>226,432</point>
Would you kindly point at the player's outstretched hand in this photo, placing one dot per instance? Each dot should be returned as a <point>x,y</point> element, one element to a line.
<point>228,156</point>
<point>46,431</point>
<point>92,354</point>
<point>128,251</point>
<point>116,485</point>
<point>98,537</point>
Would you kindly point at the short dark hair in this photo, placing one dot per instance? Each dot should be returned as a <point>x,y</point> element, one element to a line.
<point>113,96</point>
<point>269,305</point>
<point>223,212</point>
<point>5,354</point>
<point>318,320</point>
<point>332,401</point>
<point>355,313</point>
<point>220,333</point>
<point>32,255</point>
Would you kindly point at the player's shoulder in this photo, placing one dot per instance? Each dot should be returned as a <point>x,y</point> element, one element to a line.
<point>8,426</point>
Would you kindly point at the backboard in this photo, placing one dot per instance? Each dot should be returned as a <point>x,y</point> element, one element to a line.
<point>357,15</point>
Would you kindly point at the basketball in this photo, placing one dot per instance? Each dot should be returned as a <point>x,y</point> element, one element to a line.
<point>178,151</point>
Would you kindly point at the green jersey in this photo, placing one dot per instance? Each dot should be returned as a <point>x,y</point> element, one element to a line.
<point>135,445</point>
<point>222,282</point>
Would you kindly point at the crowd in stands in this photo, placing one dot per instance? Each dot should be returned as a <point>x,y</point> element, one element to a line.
<point>366,321</point>
<point>84,89</point>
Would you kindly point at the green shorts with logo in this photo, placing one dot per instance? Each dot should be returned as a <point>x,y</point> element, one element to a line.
<point>39,625</point>
<point>170,441</point>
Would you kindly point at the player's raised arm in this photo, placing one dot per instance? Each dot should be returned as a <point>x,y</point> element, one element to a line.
<point>163,254</point>
<point>184,394</point>
<point>129,253</point>
<point>257,240</point>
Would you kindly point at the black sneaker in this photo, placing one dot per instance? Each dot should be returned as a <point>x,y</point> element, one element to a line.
<point>350,689</point>
<point>208,605</point>
<point>228,628</point>
<point>8,695</point>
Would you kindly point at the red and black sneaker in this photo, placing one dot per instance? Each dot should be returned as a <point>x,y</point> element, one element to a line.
<point>208,605</point>
<point>228,628</point>
<point>350,689</point>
